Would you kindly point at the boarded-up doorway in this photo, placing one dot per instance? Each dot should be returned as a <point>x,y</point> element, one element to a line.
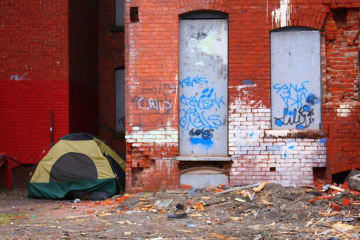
<point>295,79</point>
<point>203,84</point>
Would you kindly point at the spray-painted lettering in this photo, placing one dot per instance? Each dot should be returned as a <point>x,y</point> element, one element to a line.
<point>159,106</point>
<point>298,105</point>
<point>205,101</point>
<point>195,110</point>
<point>162,89</point>
<point>198,110</point>
<point>190,82</point>
<point>19,78</point>
<point>292,94</point>
<point>204,133</point>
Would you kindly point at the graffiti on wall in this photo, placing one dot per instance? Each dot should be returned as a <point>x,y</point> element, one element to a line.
<point>298,105</point>
<point>198,111</point>
<point>162,89</point>
<point>295,79</point>
<point>159,104</point>
<point>190,82</point>
<point>19,77</point>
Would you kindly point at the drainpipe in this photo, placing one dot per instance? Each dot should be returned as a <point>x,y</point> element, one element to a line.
<point>51,129</point>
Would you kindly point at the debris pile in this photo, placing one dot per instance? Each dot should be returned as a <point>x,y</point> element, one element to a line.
<point>259,211</point>
<point>320,210</point>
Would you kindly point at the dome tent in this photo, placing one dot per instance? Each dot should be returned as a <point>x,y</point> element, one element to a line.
<point>78,163</point>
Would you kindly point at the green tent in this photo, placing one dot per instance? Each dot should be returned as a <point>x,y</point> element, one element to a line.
<point>78,162</point>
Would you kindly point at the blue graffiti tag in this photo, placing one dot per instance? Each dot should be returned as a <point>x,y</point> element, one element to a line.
<point>197,113</point>
<point>190,82</point>
<point>298,103</point>
<point>292,95</point>
<point>206,101</point>
<point>193,118</point>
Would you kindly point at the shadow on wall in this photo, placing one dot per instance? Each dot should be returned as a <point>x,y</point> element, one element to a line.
<point>342,177</point>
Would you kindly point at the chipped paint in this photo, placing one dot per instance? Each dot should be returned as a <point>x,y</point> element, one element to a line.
<point>246,86</point>
<point>252,135</point>
<point>167,166</point>
<point>288,148</point>
<point>248,138</point>
<point>344,110</point>
<point>281,15</point>
<point>159,136</point>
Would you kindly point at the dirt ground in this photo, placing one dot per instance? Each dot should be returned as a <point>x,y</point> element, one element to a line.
<point>276,212</point>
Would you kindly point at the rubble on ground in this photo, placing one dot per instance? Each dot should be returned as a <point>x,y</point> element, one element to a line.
<point>260,211</point>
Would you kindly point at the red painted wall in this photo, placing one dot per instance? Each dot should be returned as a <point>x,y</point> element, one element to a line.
<point>33,75</point>
<point>48,62</point>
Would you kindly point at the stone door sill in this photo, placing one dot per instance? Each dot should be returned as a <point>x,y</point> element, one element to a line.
<point>203,158</point>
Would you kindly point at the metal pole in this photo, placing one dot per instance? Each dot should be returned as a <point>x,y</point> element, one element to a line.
<point>51,129</point>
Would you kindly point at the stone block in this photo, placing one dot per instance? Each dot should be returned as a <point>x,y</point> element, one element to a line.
<point>354,182</point>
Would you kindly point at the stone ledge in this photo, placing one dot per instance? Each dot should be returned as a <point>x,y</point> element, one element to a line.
<point>203,158</point>
<point>295,133</point>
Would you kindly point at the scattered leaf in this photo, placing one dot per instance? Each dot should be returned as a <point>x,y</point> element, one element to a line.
<point>199,206</point>
<point>236,218</point>
<point>335,206</point>
<point>220,236</point>
<point>346,202</point>
<point>319,198</point>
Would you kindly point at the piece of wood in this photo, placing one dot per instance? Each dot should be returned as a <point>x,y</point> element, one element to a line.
<point>239,200</point>
<point>337,188</point>
<point>217,205</point>
<point>238,188</point>
<point>260,187</point>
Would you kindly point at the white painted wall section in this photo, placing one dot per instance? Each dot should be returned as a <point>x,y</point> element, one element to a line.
<point>281,15</point>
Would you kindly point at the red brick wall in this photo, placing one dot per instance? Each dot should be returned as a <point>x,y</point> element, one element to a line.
<point>33,75</point>
<point>110,56</point>
<point>341,112</point>
<point>152,72</point>
<point>83,69</point>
